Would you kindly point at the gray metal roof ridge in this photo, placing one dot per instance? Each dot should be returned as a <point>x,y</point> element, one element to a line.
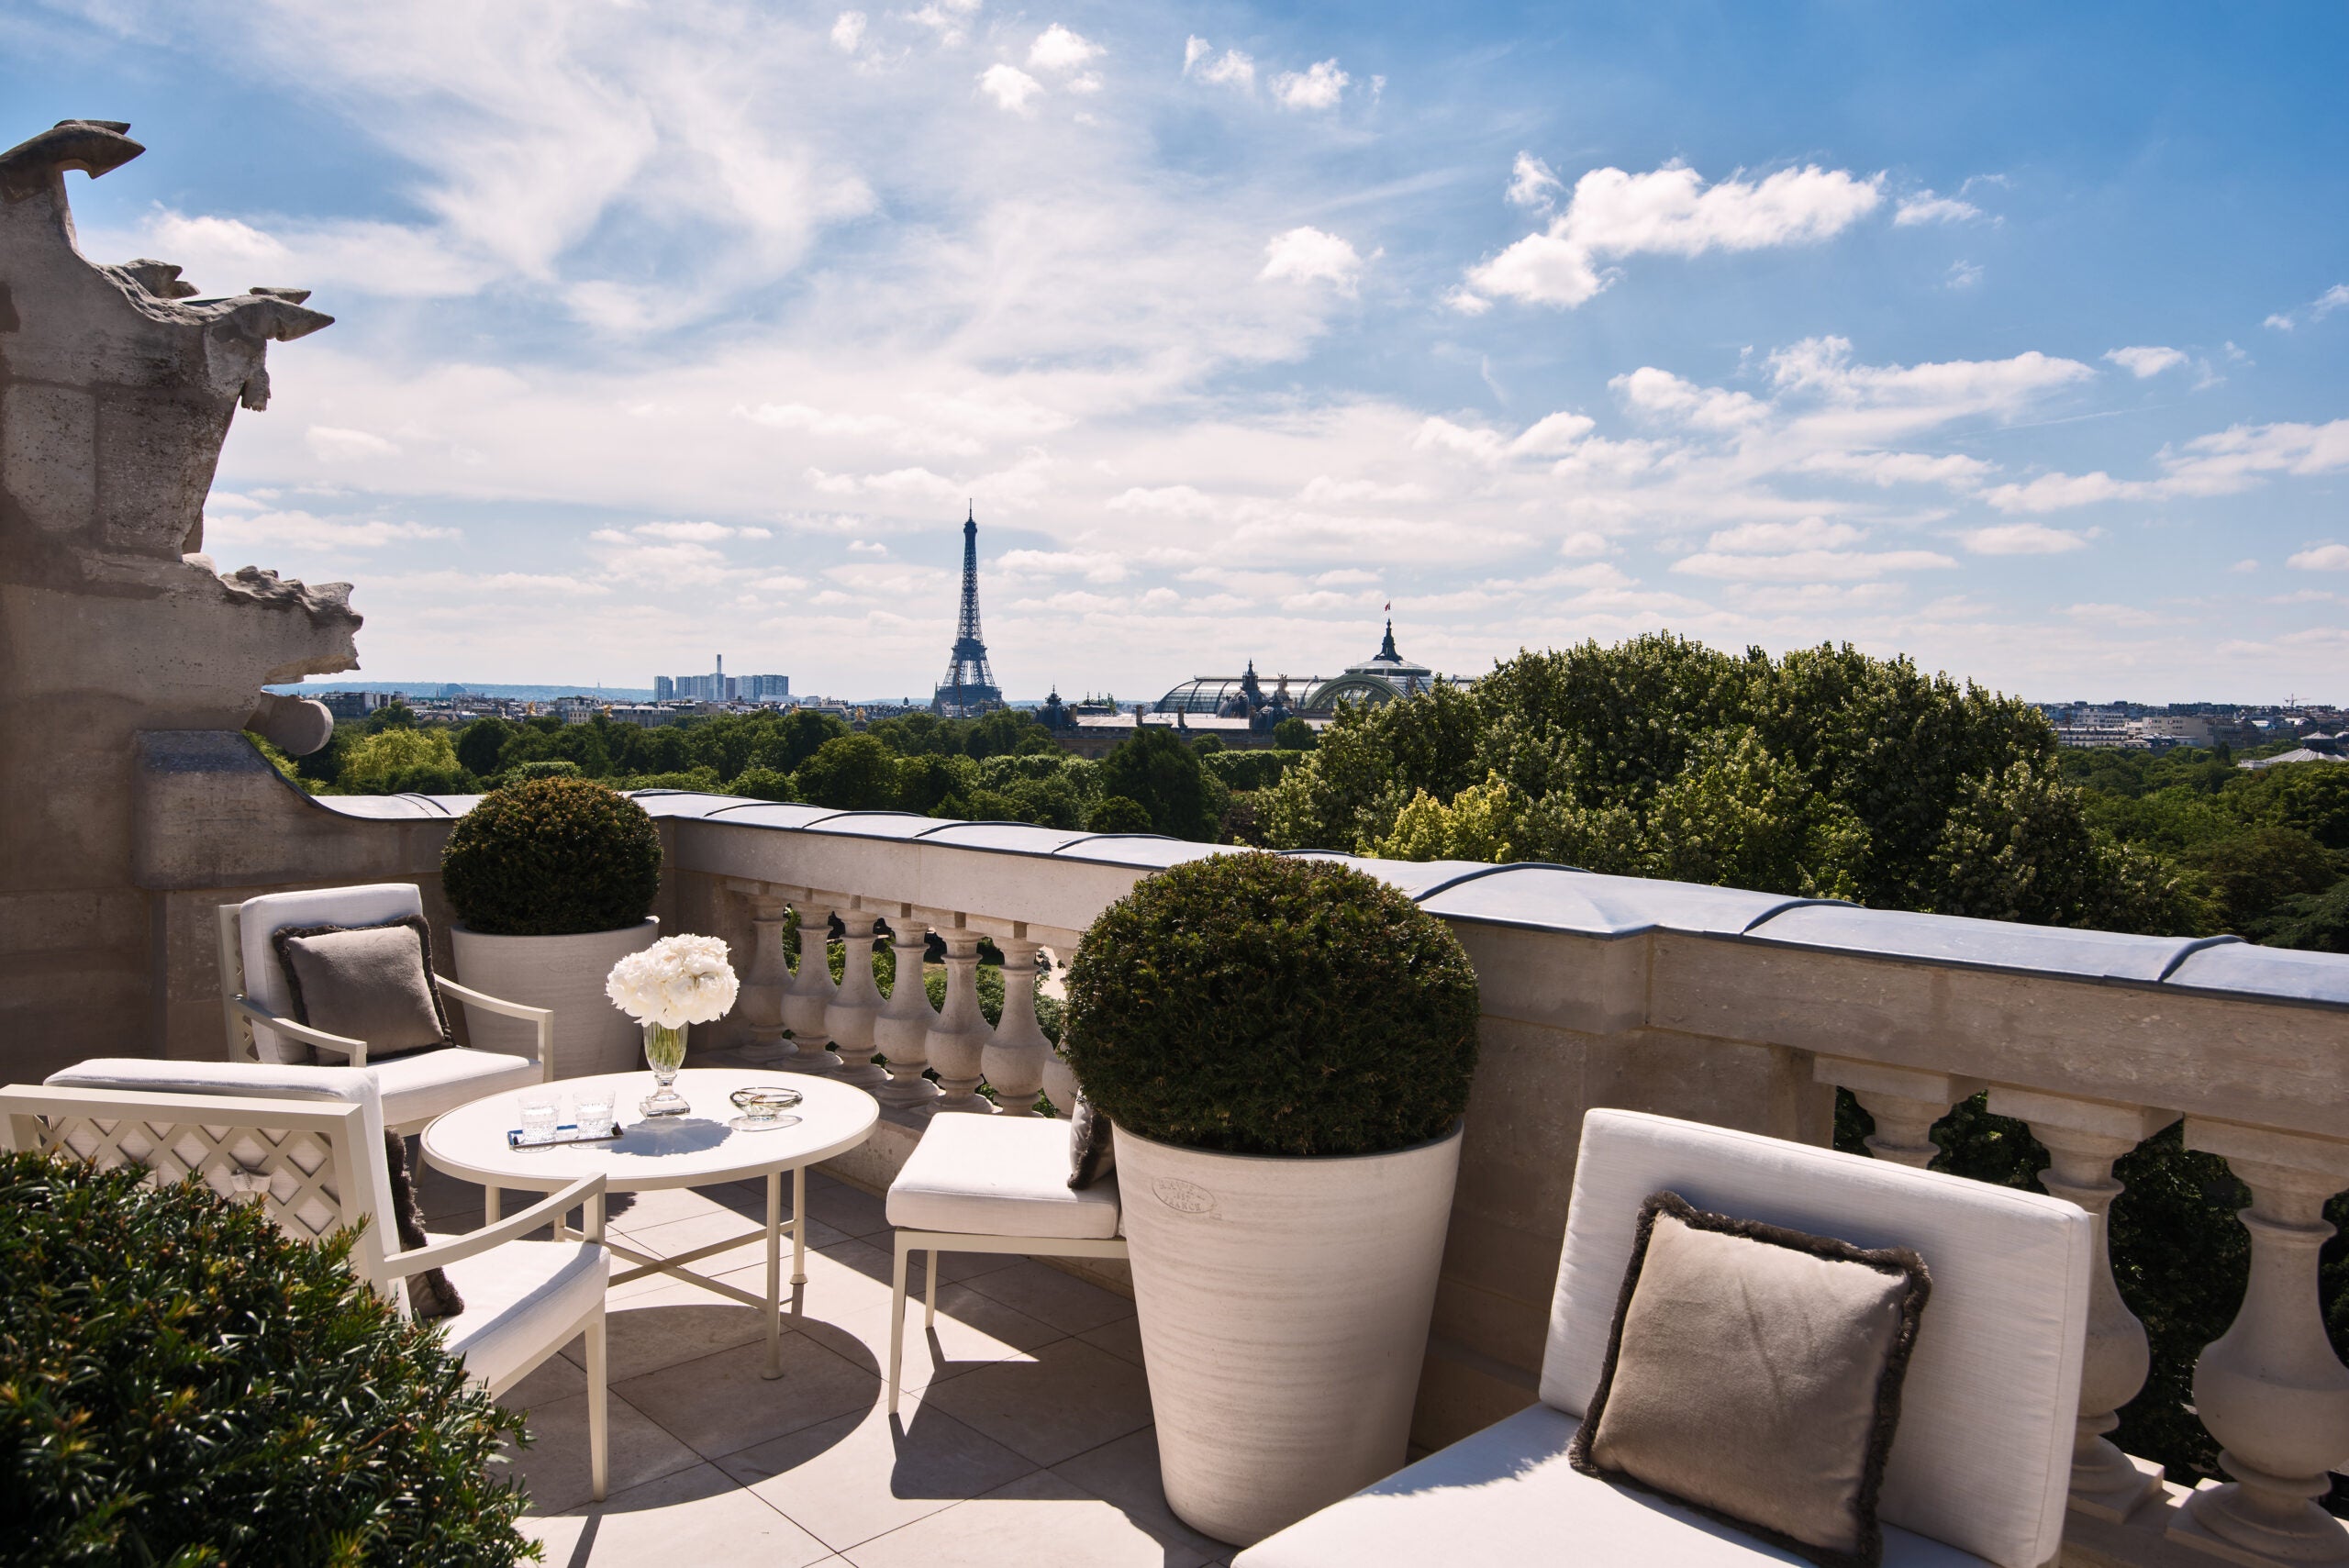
<point>1091,837</point>
<point>1478,875</point>
<point>2200,944</point>
<point>1794,902</point>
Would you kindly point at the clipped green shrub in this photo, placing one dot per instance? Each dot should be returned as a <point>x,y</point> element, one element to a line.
<point>545,768</point>
<point>553,856</point>
<point>182,1382</point>
<point>1261,1004</point>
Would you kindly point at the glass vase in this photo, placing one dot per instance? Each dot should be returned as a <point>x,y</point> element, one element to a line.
<point>665,1052</point>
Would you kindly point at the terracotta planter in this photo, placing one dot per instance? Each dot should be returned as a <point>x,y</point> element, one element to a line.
<point>1283,1307</point>
<point>566,973</point>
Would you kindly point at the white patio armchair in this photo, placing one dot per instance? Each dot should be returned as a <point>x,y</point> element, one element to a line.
<point>308,1142</point>
<point>1980,1464</point>
<point>992,1184</point>
<point>257,999</point>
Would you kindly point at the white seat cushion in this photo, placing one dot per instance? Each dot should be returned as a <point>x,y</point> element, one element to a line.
<point>999,1175</point>
<point>421,1086</point>
<point>1507,1496</point>
<point>517,1296</point>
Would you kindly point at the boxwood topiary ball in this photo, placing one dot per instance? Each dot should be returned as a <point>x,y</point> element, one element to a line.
<point>553,858</point>
<point>1257,1004</point>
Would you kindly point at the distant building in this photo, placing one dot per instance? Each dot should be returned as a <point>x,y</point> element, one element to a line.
<point>1382,677</point>
<point>578,709</point>
<point>352,706</point>
<point>719,686</point>
<point>969,688</point>
<point>664,687</point>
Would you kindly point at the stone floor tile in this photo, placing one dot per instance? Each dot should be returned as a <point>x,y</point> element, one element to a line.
<point>1037,1522</point>
<point>1122,1338</point>
<point>1125,1473</point>
<point>1058,1401</point>
<point>720,1404</point>
<point>557,1377</point>
<point>672,1322</point>
<point>641,1211</point>
<point>685,1235</point>
<point>843,1280</point>
<point>554,1466</point>
<point>1067,1303</point>
<point>693,1519</point>
<point>850,1210</point>
<point>971,1330</point>
<point>848,1480</point>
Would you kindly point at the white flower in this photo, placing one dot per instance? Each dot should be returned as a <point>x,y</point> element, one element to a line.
<point>676,980</point>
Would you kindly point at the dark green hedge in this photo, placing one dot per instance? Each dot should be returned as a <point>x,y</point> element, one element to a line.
<point>1264,1004</point>
<point>553,856</point>
<point>182,1382</point>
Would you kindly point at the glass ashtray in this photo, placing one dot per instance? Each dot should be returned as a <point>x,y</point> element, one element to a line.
<point>762,1105</point>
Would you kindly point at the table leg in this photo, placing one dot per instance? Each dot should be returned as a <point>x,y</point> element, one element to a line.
<point>492,1206</point>
<point>774,1273</point>
<point>799,1226</point>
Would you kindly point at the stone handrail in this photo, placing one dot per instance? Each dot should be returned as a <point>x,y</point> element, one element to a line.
<point>1741,1009</point>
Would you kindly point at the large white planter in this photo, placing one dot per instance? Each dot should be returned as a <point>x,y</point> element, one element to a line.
<point>1283,1307</point>
<point>566,973</point>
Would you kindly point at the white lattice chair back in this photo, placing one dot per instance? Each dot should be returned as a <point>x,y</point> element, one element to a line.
<point>307,1141</point>
<point>260,975</point>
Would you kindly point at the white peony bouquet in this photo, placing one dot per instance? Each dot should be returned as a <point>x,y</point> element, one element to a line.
<point>676,980</point>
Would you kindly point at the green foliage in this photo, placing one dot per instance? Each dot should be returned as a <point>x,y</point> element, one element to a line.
<point>1264,1004</point>
<point>548,768</point>
<point>1163,775</point>
<point>480,745</point>
<point>182,1382</point>
<point>763,783</point>
<point>400,758</point>
<point>1249,769</point>
<point>1207,746</point>
<point>849,772</point>
<point>1823,773</point>
<point>1120,813</point>
<point>553,856</point>
<point>2316,922</point>
<point>393,715</point>
<point>1293,734</point>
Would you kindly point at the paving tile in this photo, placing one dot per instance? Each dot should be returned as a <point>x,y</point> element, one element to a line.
<point>1052,1405</point>
<point>672,1322</point>
<point>843,1279</point>
<point>554,1469</point>
<point>696,1515</point>
<point>638,1211</point>
<point>848,1480</point>
<point>1122,1338</point>
<point>684,1235</point>
<point>1125,1473</point>
<point>557,1377</point>
<point>850,1210</point>
<point>1069,1304</point>
<point>971,1330</point>
<point>1036,1521</point>
<point>720,1404</point>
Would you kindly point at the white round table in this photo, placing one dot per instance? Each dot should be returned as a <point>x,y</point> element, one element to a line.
<point>695,1150</point>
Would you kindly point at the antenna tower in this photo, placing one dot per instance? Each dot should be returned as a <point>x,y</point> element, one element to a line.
<point>969,688</point>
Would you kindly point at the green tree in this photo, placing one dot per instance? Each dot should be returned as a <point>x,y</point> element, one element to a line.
<point>849,772</point>
<point>1120,813</point>
<point>794,738</point>
<point>1293,734</point>
<point>396,761</point>
<point>394,715</point>
<point>1162,775</point>
<point>480,745</point>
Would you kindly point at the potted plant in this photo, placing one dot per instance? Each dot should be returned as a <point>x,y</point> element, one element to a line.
<point>1284,1047</point>
<point>552,882</point>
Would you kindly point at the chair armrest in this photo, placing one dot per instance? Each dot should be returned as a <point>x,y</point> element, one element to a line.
<point>356,1050</point>
<point>542,1017</point>
<point>587,1190</point>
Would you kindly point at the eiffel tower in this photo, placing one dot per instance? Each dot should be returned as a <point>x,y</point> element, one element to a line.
<point>969,688</point>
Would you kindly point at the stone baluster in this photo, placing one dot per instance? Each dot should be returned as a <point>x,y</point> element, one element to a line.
<point>1060,1079</point>
<point>1905,1102</point>
<point>901,1031</point>
<point>958,1039</point>
<point>1016,1054</point>
<point>849,1017</point>
<point>809,996</point>
<point>2270,1389</point>
<point>2083,1139</point>
<point>765,977</point>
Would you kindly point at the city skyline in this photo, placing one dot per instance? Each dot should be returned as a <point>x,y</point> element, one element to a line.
<point>2013,341</point>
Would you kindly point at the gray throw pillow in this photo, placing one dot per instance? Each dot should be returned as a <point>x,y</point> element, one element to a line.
<point>367,983</point>
<point>1091,1155</point>
<point>1754,1374</point>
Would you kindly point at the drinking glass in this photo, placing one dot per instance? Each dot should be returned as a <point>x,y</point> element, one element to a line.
<point>539,1114</point>
<point>595,1112</point>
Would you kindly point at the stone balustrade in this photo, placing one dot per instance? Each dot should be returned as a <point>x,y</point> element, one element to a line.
<point>1741,1008</point>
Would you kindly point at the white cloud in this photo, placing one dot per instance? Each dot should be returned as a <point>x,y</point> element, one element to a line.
<point>1057,49</point>
<point>697,533</point>
<point>329,444</point>
<point>848,32</point>
<point>1662,395</point>
<point>1094,566</point>
<point>2321,558</point>
<point>1553,435</point>
<point>2023,538</point>
<point>472,584</point>
<point>1962,275</point>
<point>1583,541</point>
<point>1810,565</point>
<point>245,531</point>
<point>1670,211</point>
<point>1233,69</point>
<point>1171,500</point>
<point>2332,299</point>
<point>1309,255</point>
<point>2129,616</point>
<point>1531,184</point>
<point>1194,49</point>
<point>1926,207</point>
<point>1777,539</point>
<point>2245,565</point>
<point>1318,86</point>
<point>2147,362</point>
<point>1010,87</point>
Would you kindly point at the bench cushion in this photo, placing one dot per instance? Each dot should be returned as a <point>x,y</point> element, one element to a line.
<point>420,1085</point>
<point>998,1176</point>
<point>516,1296</point>
<point>1507,1495</point>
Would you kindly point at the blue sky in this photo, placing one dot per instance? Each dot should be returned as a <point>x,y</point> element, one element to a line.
<point>2012,338</point>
